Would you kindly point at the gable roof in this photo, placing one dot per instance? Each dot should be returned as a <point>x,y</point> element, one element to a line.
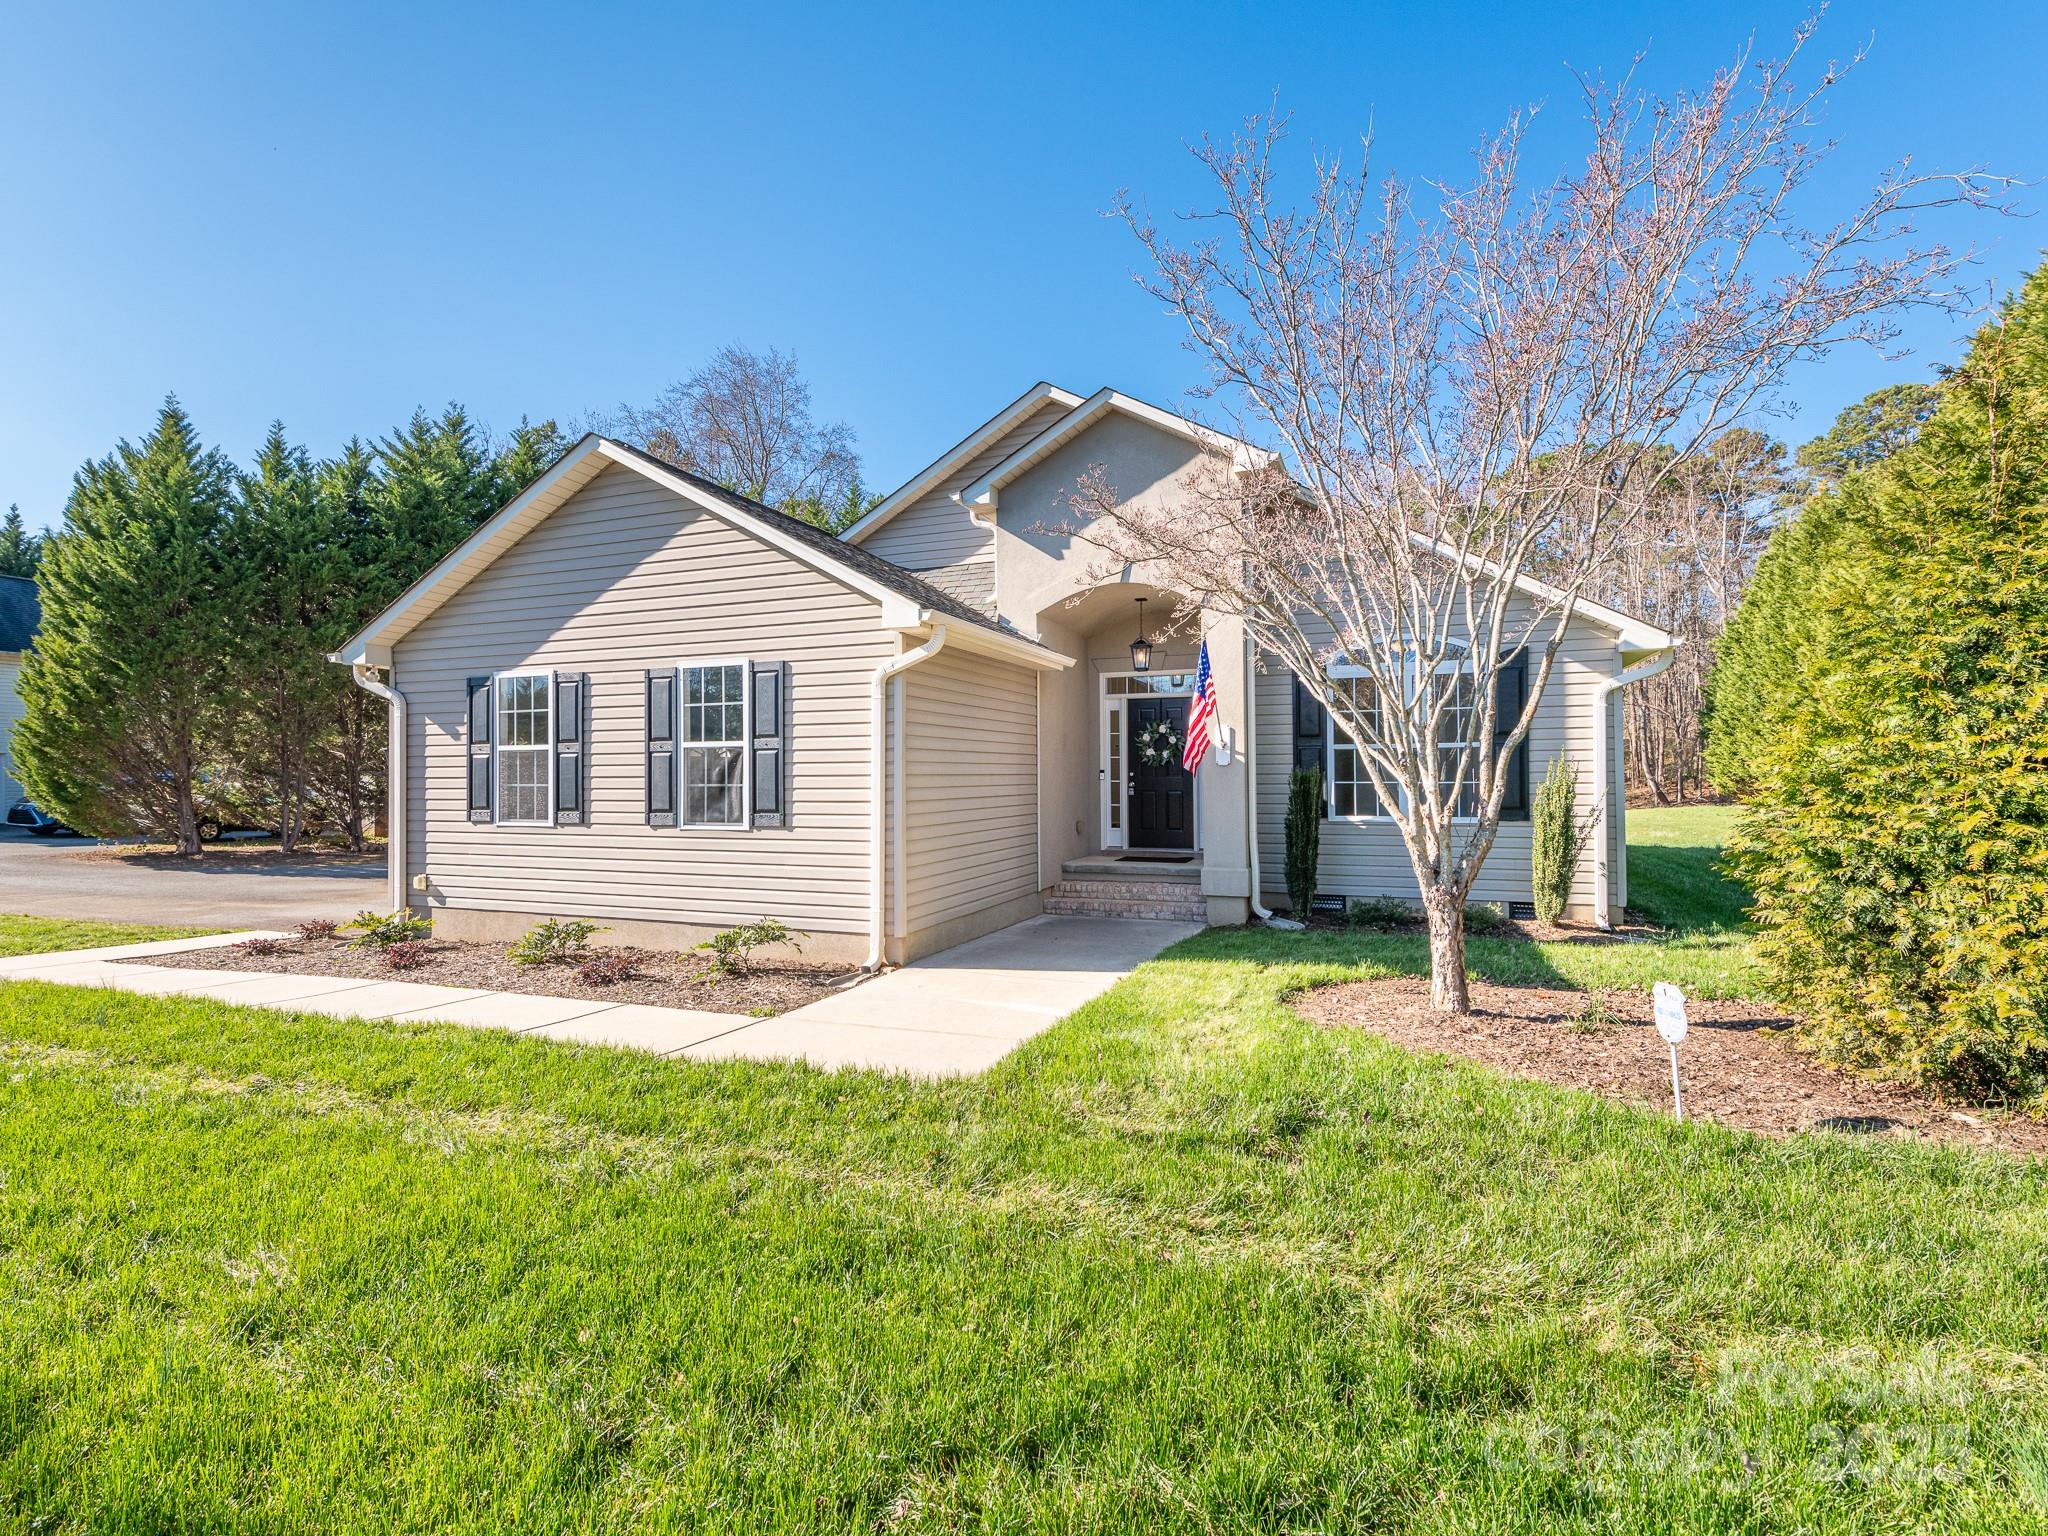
<point>933,474</point>
<point>20,613</point>
<point>1244,456</point>
<point>907,600</point>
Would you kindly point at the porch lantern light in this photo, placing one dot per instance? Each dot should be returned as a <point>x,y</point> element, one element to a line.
<point>1141,648</point>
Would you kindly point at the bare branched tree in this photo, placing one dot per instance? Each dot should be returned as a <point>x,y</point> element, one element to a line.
<point>1497,384</point>
<point>744,420</point>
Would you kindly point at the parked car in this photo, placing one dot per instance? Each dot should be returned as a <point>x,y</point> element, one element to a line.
<point>25,814</point>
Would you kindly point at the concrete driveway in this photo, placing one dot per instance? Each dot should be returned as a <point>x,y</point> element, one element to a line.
<point>238,888</point>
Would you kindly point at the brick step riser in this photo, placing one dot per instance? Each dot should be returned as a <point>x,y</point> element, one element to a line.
<point>1078,906</point>
<point>1125,890</point>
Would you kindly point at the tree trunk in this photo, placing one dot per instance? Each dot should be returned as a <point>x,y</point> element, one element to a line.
<point>1449,989</point>
<point>188,818</point>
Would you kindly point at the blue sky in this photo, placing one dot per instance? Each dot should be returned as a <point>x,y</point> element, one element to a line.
<point>333,214</point>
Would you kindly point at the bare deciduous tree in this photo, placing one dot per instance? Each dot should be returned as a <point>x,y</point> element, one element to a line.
<point>1499,384</point>
<point>744,420</point>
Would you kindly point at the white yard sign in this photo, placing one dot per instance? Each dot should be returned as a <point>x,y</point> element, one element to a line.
<point>1671,1025</point>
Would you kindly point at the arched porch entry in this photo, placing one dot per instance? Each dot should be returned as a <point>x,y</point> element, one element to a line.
<point>1114,726</point>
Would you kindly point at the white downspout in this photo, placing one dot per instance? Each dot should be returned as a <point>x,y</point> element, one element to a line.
<point>1603,761</point>
<point>1250,754</point>
<point>877,774</point>
<point>394,774</point>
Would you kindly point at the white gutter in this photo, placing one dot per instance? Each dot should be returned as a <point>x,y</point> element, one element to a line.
<point>878,775</point>
<point>1602,770</point>
<point>1251,767</point>
<point>394,774</point>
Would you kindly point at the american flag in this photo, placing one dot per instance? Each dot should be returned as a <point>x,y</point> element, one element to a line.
<point>1201,714</point>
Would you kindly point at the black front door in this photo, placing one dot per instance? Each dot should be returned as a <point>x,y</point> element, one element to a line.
<point>1161,810</point>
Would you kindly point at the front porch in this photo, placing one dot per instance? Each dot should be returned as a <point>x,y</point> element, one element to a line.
<point>1160,887</point>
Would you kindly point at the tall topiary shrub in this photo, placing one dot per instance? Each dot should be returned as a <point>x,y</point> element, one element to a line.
<point>1897,840</point>
<point>1557,838</point>
<point>1304,837</point>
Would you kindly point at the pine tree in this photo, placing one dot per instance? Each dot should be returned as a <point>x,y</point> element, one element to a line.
<point>123,690</point>
<point>525,457</point>
<point>19,548</point>
<point>435,482</point>
<point>347,769</point>
<point>282,700</point>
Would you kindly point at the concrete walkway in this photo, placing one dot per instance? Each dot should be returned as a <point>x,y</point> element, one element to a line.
<point>952,1014</point>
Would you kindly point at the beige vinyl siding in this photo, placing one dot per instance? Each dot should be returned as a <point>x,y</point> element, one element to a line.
<point>970,750</point>
<point>935,531</point>
<point>1365,858</point>
<point>10,714</point>
<point>627,576</point>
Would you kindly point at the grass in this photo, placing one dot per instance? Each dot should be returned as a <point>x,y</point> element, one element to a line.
<point>23,935</point>
<point>1185,1262</point>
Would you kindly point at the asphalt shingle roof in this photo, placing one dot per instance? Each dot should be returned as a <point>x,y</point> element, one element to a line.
<point>19,613</point>
<point>885,572</point>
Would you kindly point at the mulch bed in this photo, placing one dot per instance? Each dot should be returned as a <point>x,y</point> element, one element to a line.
<point>659,977</point>
<point>1629,931</point>
<point>1737,1063</point>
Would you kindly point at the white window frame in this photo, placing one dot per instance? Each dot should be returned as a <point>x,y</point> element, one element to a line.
<point>1453,667</point>
<point>499,747</point>
<point>1339,670</point>
<point>1344,672</point>
<point>745,743</point>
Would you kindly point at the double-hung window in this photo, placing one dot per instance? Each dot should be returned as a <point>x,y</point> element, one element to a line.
<point>525,749</point>
<point>1351,791</point>
<point>714,744</point>
<point>1457,723</point>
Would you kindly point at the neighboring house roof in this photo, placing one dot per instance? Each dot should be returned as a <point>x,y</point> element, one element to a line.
<point>1244,456</point>
<point>20,614</point>
<point>907,600</point>
<point>920,484</point>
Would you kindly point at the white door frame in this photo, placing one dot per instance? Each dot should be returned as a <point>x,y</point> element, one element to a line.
<point>1109,745</point>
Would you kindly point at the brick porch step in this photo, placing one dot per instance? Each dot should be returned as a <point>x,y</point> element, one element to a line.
<point>1177,896</point>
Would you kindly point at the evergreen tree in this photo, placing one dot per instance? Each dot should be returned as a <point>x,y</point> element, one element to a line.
<point>435,482</point>
<point>123,689</point>
<point>1870,431</point>
<point>525,457</point>
<point>1897,841</point>
<point>285,553</point>
<point>347,769</point>
<point>19,548</point>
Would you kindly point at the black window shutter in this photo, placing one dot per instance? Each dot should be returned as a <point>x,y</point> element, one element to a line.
<point>572,714</point>
<point>767,740</point>
<point>1309,727</point>
<point>1510,694</point>
<point>480,749</point>
<point>661,748</point>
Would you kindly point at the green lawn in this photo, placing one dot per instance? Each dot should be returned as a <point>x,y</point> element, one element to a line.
<point>21,935</point>
<point>1183,1263</point>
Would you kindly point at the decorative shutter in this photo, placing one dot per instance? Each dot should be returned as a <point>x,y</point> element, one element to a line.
<point>1510,694</point>
<point>661,748</point>
<point>767,740</point>
<point>481,713</point>
<point>571,711</point>
<point>1310,730</point>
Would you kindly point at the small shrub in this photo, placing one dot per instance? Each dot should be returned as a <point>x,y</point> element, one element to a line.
<point>1594,1017</point>
<point>606,970</point>
<point>557,941</point>
<point>1484,917</point>
<point>262,946</point>
<point>317,928</point>
<point>1382,912</point>
<point>732,952</point>
<point>1557,838</point>
<point>403,955</point>
<point>1304,838</point>
<point>377,931</point>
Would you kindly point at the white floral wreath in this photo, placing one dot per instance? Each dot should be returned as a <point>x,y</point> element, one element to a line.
<point>1158,744</point>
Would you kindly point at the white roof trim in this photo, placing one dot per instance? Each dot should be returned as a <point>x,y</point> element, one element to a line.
<point>1244,457</point>
<point>925,480</point>
<point>568,475</point>
<point>1636,635</point>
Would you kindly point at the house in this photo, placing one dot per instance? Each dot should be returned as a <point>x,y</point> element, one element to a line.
<point>636,697</point>
<point>19,617</point>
